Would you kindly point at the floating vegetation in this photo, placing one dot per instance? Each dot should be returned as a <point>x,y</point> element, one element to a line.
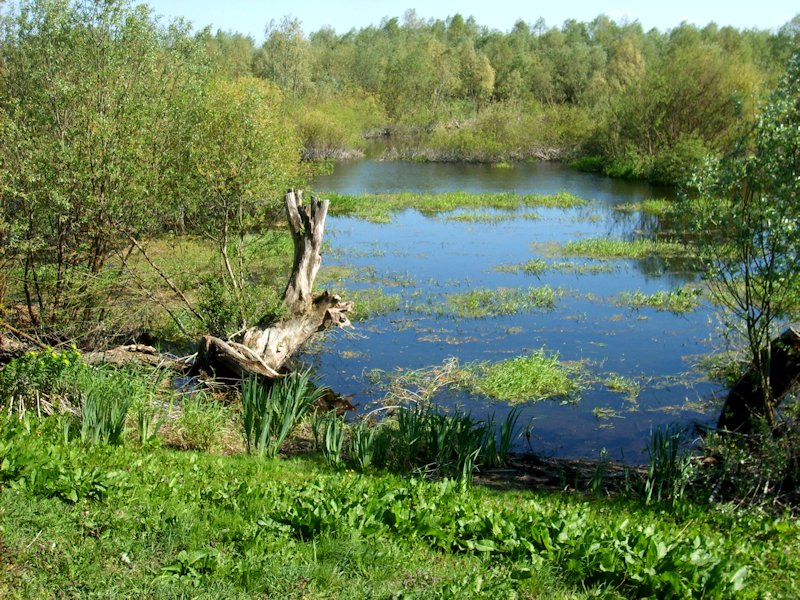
<point>489,217</point>
<point>538,266</point>
<point>534,377</point>
<point>502,165</point>
<point>530,378</point>
<point>655,207</point>
<point>680,301</point>
<point>625,385</point>
<point>603,413</point>
<point>480,303</point>
<point>378,208</point>
<point>609,248</point>
<point>373,302</point>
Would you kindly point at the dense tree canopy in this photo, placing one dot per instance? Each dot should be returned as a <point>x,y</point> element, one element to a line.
<point>648,103</point>
<point>114,128</point>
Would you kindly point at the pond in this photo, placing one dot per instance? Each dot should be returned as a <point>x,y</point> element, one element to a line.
<point>420,260</point>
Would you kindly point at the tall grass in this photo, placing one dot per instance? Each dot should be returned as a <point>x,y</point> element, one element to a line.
<point>379,208</point>
<point>270,413</point>
<point>610,248</point>
<point>106,396</point>
<point>669,470</point>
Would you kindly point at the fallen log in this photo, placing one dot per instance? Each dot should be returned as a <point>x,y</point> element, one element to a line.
<point>745,406</point>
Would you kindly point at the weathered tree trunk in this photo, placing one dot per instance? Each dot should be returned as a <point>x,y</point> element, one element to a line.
<point>263,350</point>
<point>745,403</point>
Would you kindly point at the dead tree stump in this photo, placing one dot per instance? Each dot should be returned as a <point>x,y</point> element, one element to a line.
<point>262,351</point>
<point>744,405</point>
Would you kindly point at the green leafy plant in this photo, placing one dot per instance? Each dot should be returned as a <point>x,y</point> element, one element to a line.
<point>365,444</point>
<point>269,414</point>
<point>39,380</point>
<point>333,435</point>
<point>669,471</point>
<point>200,422</point>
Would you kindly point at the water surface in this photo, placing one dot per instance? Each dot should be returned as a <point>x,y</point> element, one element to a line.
<point>425,258</point>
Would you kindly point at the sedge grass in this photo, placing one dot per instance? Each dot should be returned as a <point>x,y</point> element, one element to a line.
<point>483,302</point>
<point>536,376</point>
<point>605,248</point>
<point>680,301</point>
<point>379,208</point>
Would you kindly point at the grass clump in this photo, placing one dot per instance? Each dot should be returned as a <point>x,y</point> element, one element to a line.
<point>373,302</point>
<point>680,301</point>
<point>270,413</point>
<point>605,248</point>
<point>537,376</point>
<point>624,385</point>
<point>657,207</point>
<point>378,208</point>
<point>487,217</point>
<point>481,303</point>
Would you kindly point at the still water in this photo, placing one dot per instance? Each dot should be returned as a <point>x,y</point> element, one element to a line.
<point>423,259</point>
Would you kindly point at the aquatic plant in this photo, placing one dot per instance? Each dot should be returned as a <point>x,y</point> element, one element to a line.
<point>611,248</point>
<point>682,300</point>
<point>536,376</point>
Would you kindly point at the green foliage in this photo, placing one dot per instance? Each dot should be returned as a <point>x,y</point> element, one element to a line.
<point>103,109</point>
<point>218,307</point>
<point>482,303</point>
<point>106,397</point>
<point>680,301</point>
<point>380,207</point>
<point>239,526</point>
<point>366,445</point>
<point>669,471</point>
<point>534,377</point>
<point>39,380</point>
<point>333,430</point>
<point>759,469</point>
<point>269,414</point>
<point>745,224</point>
<point>639,248</point>
<point>333,127</point>
<point>658,207</point>
<point>200,422</point>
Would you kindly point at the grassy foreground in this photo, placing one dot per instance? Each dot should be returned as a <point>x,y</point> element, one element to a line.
<point>131,521</point>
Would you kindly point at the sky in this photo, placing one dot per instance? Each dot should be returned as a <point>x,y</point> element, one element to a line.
<point>252,16</point>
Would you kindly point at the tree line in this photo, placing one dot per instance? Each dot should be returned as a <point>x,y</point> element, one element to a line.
<point>630,102</point>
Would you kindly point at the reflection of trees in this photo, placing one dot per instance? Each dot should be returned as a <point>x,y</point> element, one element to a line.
<point>638,225</point>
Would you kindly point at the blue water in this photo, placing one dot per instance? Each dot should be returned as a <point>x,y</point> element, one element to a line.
<point>432,257</point>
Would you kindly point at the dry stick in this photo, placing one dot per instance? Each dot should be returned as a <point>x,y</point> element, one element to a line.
<point>22,334</point>
<point>164,276</point>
